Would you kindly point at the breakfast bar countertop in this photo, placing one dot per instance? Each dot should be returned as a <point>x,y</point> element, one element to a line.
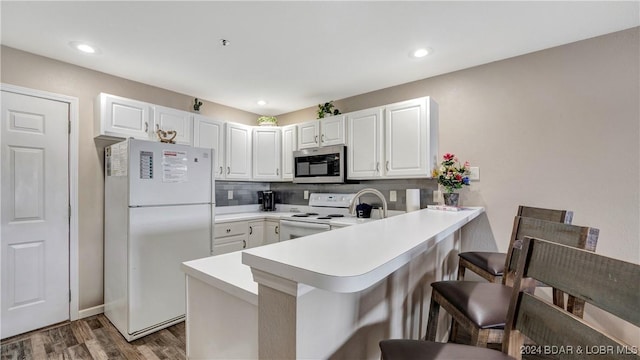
<point>355,257</point>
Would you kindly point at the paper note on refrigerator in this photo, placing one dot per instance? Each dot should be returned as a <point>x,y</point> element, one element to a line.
<point>174,166</point>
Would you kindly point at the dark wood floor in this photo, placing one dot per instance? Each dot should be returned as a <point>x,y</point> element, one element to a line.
<point>94,338</point>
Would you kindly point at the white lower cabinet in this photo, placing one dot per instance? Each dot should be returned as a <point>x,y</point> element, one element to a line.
<point>256,234</point>
<point>272,232</point>
<point>228,237</point>
<point>240,235</point>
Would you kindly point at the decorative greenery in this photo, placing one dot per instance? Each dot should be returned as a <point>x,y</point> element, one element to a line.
<point>271,120</point>
<point>451,174</point>
<point>327,109</point>
<point>196,104</point>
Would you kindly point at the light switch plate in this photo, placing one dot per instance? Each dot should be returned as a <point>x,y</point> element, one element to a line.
<point>393,196</point>
<point>229,194</point>
<point>474,173</point>
<point>306,194</point>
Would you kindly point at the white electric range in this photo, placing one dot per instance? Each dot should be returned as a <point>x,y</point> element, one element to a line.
<point>323,208</point>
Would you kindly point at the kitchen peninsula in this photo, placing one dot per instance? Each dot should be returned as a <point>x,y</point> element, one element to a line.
<point>332,294</point>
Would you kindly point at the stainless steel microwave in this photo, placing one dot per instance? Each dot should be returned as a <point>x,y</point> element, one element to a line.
<point>319,165</point>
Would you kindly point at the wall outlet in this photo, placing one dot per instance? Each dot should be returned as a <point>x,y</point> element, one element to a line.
<point>393,196</point>
<point>229,194</point>
<point>437,196</point>
<point>474,173</point>
<point>306,194</point>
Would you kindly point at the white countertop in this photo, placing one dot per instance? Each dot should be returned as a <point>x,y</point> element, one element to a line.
<point>251,212</point>
<point>356,257</point>
<point>225,272</point>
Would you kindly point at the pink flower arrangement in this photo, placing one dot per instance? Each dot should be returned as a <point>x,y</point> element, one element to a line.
<point>451,174</point>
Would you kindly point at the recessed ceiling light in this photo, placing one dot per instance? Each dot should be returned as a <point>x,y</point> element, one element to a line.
<point>262,102</point>
<point>83,47</point>
<point>422,52</point>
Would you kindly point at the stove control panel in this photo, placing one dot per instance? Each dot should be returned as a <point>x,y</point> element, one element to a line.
<point>330,200</point>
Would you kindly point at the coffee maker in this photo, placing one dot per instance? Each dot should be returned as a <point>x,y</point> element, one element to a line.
<point>267,200</point>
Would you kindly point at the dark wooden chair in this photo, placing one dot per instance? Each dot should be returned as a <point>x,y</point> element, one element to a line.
<point>490,265</point>
<point>481,307</point>
<point>609,284</point>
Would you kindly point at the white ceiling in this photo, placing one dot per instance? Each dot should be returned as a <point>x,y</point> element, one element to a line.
<point>298,54</point>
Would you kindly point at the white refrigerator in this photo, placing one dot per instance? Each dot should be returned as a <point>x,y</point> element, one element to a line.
<point>159,212</point>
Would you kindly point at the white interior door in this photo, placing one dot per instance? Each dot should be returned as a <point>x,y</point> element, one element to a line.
<point>35,213</point>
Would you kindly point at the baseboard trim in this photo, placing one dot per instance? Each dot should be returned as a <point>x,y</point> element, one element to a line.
<point>90,311</point>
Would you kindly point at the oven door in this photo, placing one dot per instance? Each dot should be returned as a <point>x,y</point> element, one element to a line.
<point>295,229</point>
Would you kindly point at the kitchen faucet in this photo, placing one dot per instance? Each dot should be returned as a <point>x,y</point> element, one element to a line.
<point>352,206</point>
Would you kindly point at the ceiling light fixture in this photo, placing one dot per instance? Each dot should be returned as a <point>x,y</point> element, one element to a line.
<point>262,102</point>
<point>83,47</point>
<point>422,52</point>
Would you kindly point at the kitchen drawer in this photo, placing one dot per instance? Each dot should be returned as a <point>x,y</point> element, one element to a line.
<point>230,229</point>
<point>229,244</point>
<point>242,238</point>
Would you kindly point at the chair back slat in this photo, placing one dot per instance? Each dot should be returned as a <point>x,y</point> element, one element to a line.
<point>609,284</point>
<point>562,334</point>
<point>562,216</point>
<point>581,237</point>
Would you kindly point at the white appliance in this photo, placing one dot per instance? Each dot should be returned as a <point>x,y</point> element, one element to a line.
<point>323,207</point>
<point>159,212</point>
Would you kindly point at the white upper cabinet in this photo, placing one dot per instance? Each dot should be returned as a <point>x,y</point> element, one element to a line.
<point>209,133</point>
<point>322,132</point>
<point>411,138</point>
<point>365,150</point>
<point>332,131</point>
<point>238,152</point>
<point>168,119</point>
<point>267,146</point>
<point>393,141</point>
<point>289,145</point>
<point>308,135</point>
<point>118,117</point>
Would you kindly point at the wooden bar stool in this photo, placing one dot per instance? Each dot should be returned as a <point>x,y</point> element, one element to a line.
<point>609,284</point>
<point>490,265</point>
<point>481,307</point>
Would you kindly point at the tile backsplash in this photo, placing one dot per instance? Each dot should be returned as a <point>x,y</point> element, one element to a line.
<point>246,193</point>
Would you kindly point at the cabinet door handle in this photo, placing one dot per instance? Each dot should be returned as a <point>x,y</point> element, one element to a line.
<point>316,139</point>
<point>157,127</point>
<point>250,230</point>
<point>228,231</point>
<point>377,166</point>
<point>277,171</point>
<point>244,244</point>
<point>228,170</point>
<point>387,165</point>
<point>323,138</point>
<point>146,127</point>
<point>277,229</point>
<point>221,170</point>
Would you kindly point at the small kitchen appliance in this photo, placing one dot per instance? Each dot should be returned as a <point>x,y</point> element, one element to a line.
<point>323,208</point>
<point>267,200</point>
